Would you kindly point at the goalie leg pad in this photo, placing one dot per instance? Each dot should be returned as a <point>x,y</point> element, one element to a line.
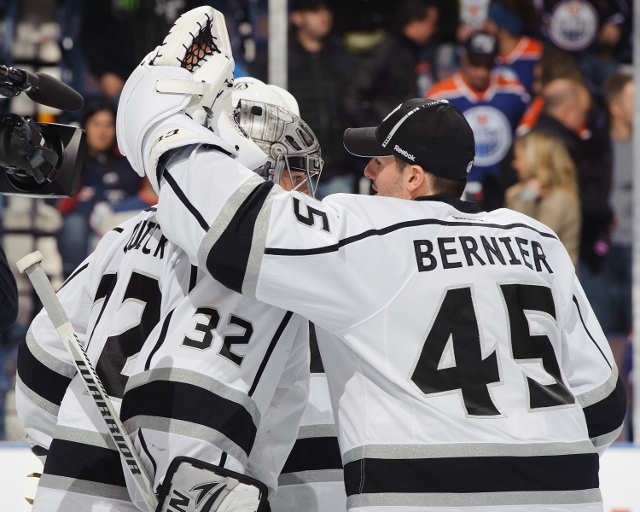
<point>195,486</point>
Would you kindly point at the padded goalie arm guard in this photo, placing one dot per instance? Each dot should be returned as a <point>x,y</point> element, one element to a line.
<point>195,486</point>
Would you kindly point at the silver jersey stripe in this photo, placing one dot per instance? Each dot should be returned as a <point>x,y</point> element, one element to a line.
<point>79,435</point>
<point>51,362</point>
<point>601,392</point>
<point>311,431</point>
<point>250,283</point>
<point>607,439</point>
<point>36,399</point>
<point>224,218</point>
<point>63,483</point>
<point>312,476</point>
<point>473,499</point>
<point>186,429</point>
<point>436,451</point>
<point>196,379</point>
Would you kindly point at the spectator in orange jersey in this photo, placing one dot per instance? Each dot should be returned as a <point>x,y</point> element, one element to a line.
<point>508,20</point>
<point>493,101</point>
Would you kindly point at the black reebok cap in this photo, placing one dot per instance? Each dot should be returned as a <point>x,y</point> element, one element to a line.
<point>430,133</point>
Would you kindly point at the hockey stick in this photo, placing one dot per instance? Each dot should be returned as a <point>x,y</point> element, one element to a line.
<point>30,264</point>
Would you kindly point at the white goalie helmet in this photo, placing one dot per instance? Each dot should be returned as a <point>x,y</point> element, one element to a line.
<point>270,116</point>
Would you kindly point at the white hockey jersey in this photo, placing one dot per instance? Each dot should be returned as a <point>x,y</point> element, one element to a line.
<point>466,365</point>
<point>312,479</point>
<point>253,366</point>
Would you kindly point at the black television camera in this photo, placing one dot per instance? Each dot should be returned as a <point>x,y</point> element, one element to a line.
<point>39,159</point>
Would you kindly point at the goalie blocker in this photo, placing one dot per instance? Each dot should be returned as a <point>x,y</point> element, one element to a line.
<point>195,486</point>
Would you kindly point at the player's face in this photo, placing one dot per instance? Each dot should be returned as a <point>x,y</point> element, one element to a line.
<point>297,181</point>
<point>387,180</point>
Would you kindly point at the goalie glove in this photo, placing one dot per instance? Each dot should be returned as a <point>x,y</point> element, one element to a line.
<point>195,486</point>
<point>180,95</point>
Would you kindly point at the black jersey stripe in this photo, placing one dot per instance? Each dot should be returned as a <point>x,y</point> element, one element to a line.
<point>228,258</point>
<point>84,462</point>
<point>143,444</point>
<point>104,291</point>
<point>272,346</point>
<point>161,338</point>
<point>316,365</point>
<point>575,301</point>
<point>39,451</point>
<point>192,404</point>
<point>607,415</point>
<point>185,201</point>
<point>390,229</point>
<point>313,454</point>
<point>73,274</point>
<point>473,474</point>
<point>39,378</point>
<point>193,277</point>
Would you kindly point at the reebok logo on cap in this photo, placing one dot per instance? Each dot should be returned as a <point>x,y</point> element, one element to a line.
<point>430,133</point>
<point>404,153</point>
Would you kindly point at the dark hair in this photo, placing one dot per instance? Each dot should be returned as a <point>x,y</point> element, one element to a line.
<point>447,186</point>
<point>614,85</point>
<point>439,184</point>
<point>410,10</point>
<point>558,64</point>
<point>308,5</point>
<point>96,106</point>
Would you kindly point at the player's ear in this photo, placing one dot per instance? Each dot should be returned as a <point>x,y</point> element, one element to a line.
<point>416,178</point>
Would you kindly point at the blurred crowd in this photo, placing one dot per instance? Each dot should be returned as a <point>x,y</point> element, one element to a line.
<point>545,84</point>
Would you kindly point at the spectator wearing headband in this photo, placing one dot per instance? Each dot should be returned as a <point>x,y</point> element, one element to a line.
<point>509,20</point>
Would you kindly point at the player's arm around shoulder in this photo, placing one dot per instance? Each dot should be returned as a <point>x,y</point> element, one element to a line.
<point>202,190</point>
<point>310,259</point>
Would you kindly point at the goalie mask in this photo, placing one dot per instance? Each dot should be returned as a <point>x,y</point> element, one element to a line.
<point>269,115</point>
